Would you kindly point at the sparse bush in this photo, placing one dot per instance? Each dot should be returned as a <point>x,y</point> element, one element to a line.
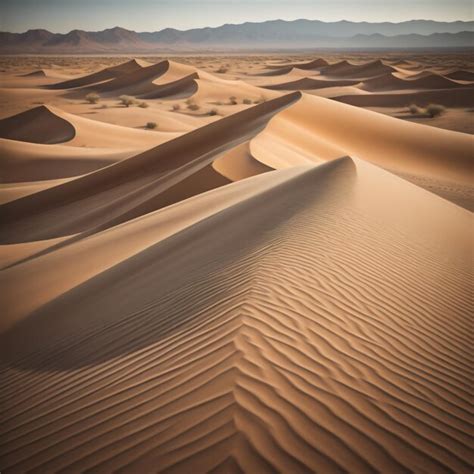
<point>233,100</point>
<point>435,110</point>
<point>213,112</point>
<point>176,107</point>
<point>151,125</point>
<point>219,102</point>
<point>247,101</point>
<point>414,109</point>
<point>92,98</point>
<point>222,70</point>
<point>190,101</point>
<point>143,105</point>
<point>193,106</point>
<point>127,100</point>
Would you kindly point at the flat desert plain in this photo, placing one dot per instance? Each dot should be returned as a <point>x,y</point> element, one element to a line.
<point>243,264</point>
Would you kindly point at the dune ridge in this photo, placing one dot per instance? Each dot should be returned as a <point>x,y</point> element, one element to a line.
<point>252,375</point>
<point>154,174</point>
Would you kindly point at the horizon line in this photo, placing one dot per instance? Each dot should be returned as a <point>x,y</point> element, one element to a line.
<point>236,24</point>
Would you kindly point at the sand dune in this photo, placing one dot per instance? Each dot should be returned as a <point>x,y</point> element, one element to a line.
<point>462,97</point>
<point>47,124</point>
<point>309,83</point>
<point>244,368</point>
<point>461,75</point>
<point>283,285</point>
<point>38,73</point>
<point>348,70</point>
<point>391,82</point>
<point>22,161</point>
<point>140,80</point>
<point>38,125</point>
<point>100,76</point>
<point>73,207</point>
<point>313,64</point>
<point>297,135</point>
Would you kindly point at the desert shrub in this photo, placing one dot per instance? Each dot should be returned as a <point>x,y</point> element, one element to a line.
<point>222,70</point>
<point>213,112</point>
<point>92,98</point>
<point>435,110</point>
<point>151,125</point>
<point>143,105</point>
<point>193,106</point>
<point>127,100</point>
<point>233,100</point>
<point>414,109</point>
<point>247,101</point>
<point>176,107</point>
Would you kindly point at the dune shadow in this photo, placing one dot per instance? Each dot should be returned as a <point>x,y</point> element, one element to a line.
<point>176,284</point>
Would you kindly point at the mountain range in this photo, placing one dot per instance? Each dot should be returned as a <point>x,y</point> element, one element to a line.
<point>277,34</point>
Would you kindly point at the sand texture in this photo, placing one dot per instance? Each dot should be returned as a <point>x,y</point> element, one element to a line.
<point>284,285</point>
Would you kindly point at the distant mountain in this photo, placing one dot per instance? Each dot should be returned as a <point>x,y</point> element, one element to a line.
<point>276,34</point>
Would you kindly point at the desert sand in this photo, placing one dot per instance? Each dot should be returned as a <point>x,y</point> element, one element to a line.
<point>273,276</point>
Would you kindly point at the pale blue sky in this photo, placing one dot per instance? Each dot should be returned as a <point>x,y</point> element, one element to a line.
<point>152,15</point>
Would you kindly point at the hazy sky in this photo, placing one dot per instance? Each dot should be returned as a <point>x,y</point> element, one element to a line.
<point>152,15</point>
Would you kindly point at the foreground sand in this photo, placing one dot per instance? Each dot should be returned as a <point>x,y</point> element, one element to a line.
<point>285,286</point>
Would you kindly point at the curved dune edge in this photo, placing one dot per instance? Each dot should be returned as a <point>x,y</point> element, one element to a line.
<point>310,83</point>
<point>313,64</point>
<point>354,71</point>
<point>136,185</point>
<point>239,163</point>
<point>391,82</point>
<point>217,355</point>
<point>38,125</point>
<point>461,75</point>
<point>100,76</point>
<point>339,129</point>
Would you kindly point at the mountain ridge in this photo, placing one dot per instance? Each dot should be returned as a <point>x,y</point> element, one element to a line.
<point>273,34</point>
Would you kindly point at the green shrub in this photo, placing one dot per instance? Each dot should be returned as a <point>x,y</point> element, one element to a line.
<point>414,109</point>
<point>92,98</point>
<point>127,100</point>
<point>435,110</point>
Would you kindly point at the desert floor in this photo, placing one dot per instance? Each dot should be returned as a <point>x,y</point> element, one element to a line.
<point>257,264</point>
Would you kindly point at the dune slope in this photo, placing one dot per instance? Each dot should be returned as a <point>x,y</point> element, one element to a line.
<point>309,340</point>
<point>317,129</point>
<point>136,185</point>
